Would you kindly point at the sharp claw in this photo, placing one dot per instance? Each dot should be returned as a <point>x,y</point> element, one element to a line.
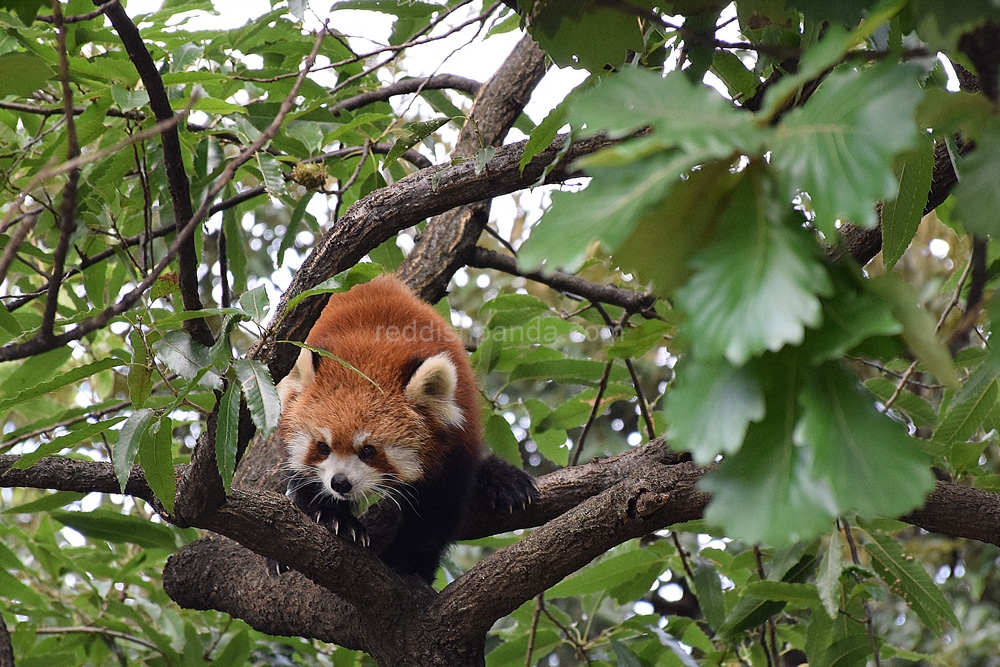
<point>335,525</point>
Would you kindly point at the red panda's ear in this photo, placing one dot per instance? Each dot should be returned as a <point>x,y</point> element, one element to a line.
<point>300,377</point>
<point>432,387</point>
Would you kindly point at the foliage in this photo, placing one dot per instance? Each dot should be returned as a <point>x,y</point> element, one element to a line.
<point>823,396</point>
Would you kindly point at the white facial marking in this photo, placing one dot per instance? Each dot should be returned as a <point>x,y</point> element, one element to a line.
<point>363,477</point>
<point>405,462</point>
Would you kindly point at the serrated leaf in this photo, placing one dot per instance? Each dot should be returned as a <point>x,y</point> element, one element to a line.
<point>607,209</point>
<point>840,145</point>
<point>125,450</point>
<point>187,358</point>
<point>261,396</point>
<point>414,133</point>
<point>766,492</point>
<point>908,579</point>
<point>11,588</point>
<point>156,457</point>
<point>34,371</point>
<point>849,318</point>
<point>62,380</point>
<point>965,417</point>
<point>256,303</point>
<point>270,171</point>
<point>828,577</point>
<point>757,286</point>
<point>226,432</point>
<point>111,526</point>
<point>711,407</point>
<point>873,467</point>
<point>575,411</point>
<point>902,215</point>
<point>73,437</point>
<point>129,100</point>
<point>140,371</point>
<point>708,588</point>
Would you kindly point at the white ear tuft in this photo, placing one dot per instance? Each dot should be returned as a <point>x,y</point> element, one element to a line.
<point>300,377</point>
<point>432,387</point>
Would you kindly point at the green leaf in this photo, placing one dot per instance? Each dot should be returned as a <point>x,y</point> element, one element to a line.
<point>977,197</point>
<point>62,442</point>
<point>901,216</point>
<point>270,171</point>
<point>638,340</point>
<point>636,570</point>
<point>261,396</point>
<point>187,358</point>
<point>918,327</point>
<point>414,133</point>
<point>114,527</point>
<point>127,447</point>
<point>840,146</point>
<point>828,577</point>
<point>237,651</point>
<point>766,492</point>
<point>708,588</point>
<point>587,35</point>
<point>140,371</point>
<point>570,371</point>
<point>850,317</point>
<point>908,579</point>
<point>12,589</point>
<point>32,372</point>
<point>919,410</point>
<point>756,288</point>
<point>256,303</point>
<point>711,407</point>
<point>607,209</point>
<point>694,118</point>
<point>226,432</point>
<point>157,459</point>
<point>21,74</point>
<point>63,379</point>
<point>965,417</point>
<point>129,100</point>
<point>873,467</point>
<point>688,217</point>
<point>47,502</point>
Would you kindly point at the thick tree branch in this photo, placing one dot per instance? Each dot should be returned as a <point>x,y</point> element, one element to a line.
<point>452,237</point>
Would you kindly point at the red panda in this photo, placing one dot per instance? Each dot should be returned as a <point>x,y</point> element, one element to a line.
<point>393,411</point>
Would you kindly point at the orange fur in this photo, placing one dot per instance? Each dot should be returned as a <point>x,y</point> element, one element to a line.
<point>381,329</point>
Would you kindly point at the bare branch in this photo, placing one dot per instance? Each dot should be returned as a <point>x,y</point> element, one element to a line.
<point>406,86</point>
<point>173,160</point>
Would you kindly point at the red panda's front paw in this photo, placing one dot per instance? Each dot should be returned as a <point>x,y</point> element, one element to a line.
<point>343,525</point>
<point>503,486</point>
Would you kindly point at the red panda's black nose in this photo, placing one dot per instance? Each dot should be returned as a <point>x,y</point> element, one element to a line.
<point>340,484</point>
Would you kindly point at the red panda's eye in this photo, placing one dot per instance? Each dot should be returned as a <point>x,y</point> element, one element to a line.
<point>322,448</point>
<point>366,452</point>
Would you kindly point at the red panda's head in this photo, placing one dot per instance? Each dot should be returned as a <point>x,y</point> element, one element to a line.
<point>368,427</point>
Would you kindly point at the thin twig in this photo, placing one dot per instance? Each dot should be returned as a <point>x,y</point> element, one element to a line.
<point>944,315</point>
<point>533,631</point>
<point>868,612</point>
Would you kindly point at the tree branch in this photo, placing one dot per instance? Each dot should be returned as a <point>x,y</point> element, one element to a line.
<point>173,161</point>
<point>629,300</point>
<point>406,86</point>
<point>452,236</point>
